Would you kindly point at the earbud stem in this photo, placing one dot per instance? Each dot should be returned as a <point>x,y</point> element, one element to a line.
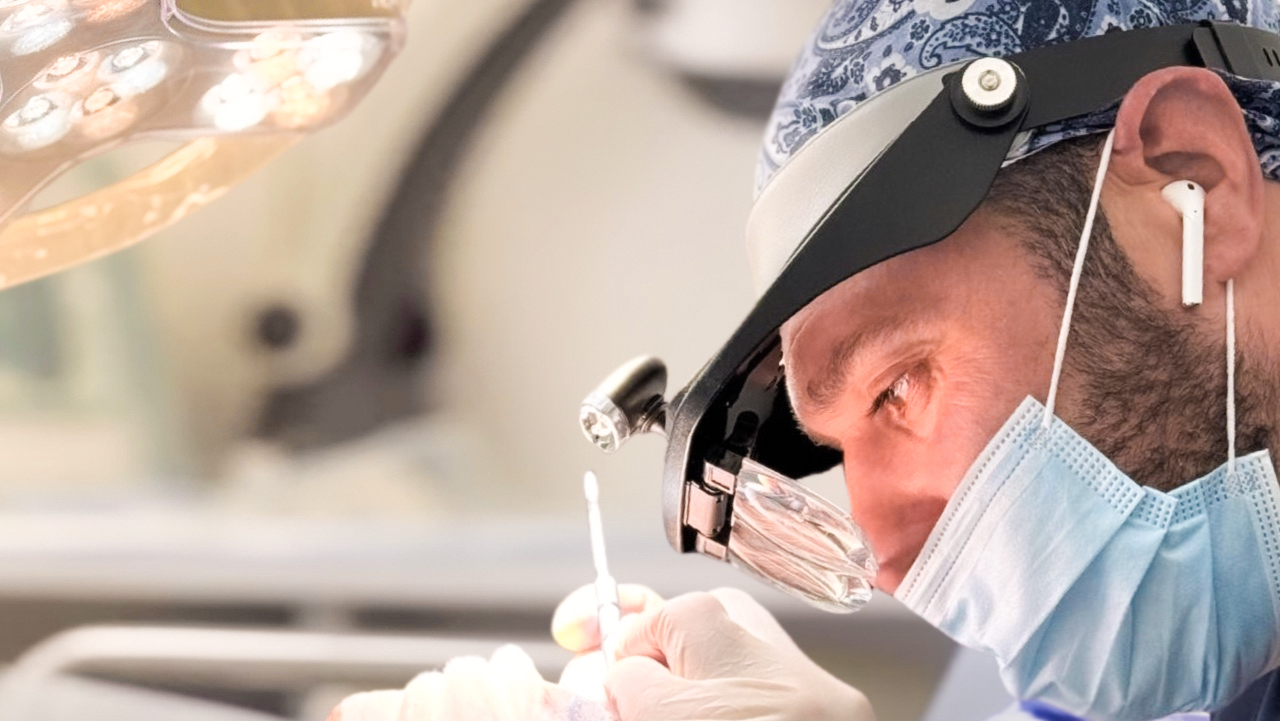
<point>1187,197</point>
<point>1192,259</point>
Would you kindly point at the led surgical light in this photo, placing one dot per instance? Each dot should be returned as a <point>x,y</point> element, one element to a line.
<point>101,100</point>
<point>272,44</point>
<point>601,426</point>
<point>101,11</point>
<point>298,104</point>
<point>272,58</point>
<point>129,58</point>
<point>32,15</point>
<point>337,58</point>
<point>41,37</point>
<point>236,103</point>
<point>95,73</point>
<point>629,402</point>
<point>38,25</point>
<point>71,72</point>
<point>42,121</point>
<point>105,113</point>
<point>274,71</point>
<point>135,69</point>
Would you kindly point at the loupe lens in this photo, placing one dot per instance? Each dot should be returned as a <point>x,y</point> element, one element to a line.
<point>799,542</point>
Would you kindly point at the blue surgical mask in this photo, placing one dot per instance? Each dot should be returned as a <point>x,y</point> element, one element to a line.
<point>1098,596</point>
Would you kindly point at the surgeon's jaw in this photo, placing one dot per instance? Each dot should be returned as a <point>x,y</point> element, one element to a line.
<point>950,339</point>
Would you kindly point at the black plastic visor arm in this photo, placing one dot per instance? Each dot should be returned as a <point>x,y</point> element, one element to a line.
<point>919,191</point>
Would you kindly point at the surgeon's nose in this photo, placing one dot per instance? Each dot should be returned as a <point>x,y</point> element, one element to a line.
<point>894,511</point>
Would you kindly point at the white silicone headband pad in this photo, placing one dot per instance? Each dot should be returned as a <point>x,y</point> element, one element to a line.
<point>808,186</point>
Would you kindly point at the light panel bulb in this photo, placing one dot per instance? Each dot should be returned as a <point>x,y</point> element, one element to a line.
<point>68,71</point>
<point>135,69</point>
<point>104,113</point>
<point>101,11</point>
<point>42,121</point>
<point>30,15</point>
<point>37,25</point>
<point>272,43</point>
<point>236,103</point>
<point>337,57</point>
<point>41,37</point>
<point>300,104</point>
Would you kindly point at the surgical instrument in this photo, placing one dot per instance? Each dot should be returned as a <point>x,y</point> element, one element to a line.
<point>607,610</point>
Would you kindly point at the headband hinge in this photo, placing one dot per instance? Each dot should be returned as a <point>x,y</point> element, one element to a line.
<point>1238,49</point>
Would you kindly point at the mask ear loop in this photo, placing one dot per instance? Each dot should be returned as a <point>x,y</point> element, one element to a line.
<point>1081,250</point>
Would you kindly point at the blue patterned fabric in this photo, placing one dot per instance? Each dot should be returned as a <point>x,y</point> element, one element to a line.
<point>863,47</point>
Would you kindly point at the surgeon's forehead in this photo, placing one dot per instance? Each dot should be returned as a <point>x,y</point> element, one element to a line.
<point>917,290</point>
<point>822,340</point>
<point>863,297</point>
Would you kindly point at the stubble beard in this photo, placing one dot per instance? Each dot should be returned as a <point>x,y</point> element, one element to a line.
<point>1150,383</point>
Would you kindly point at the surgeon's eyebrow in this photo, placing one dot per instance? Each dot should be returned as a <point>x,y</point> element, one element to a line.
<point>823,393</point>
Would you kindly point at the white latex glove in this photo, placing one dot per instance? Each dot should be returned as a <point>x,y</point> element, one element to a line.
<point>575,627</point>
<point>708,656</point>
<point>505,688</point>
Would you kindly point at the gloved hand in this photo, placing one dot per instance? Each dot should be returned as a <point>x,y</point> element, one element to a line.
<point>576,628</point>
<point>505,688</point>
<point>717,655</point>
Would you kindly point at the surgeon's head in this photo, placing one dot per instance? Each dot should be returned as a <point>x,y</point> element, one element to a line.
<point>912,366</point>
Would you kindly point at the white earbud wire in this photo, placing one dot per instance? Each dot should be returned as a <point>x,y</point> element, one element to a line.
<point>1231,377</point>
<point>1060,354</point>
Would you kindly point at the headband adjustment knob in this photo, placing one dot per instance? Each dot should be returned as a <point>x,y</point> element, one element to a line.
<point>989,84</point>
<point>989,93</point>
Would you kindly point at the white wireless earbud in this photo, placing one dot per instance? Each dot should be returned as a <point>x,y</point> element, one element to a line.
<point>1187,197</point>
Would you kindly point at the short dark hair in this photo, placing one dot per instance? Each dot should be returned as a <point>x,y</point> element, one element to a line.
<point>1046,197</point>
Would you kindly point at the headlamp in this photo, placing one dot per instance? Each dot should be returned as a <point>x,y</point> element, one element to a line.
<point>734,447</point>
<point>239,81</point>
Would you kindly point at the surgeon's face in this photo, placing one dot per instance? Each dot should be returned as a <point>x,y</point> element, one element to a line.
<point>910,368</point>
<point>946,342</point>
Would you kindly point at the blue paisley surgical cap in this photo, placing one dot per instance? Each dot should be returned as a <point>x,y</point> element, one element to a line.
<point>864,47</point>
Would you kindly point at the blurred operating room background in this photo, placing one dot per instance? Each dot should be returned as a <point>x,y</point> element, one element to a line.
<point>323,434</point>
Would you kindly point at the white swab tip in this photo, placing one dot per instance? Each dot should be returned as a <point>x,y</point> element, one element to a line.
<point>591,487</point>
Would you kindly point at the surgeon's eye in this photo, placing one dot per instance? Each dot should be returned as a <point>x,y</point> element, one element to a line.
<point>895,395</point>
<point>906,396</point>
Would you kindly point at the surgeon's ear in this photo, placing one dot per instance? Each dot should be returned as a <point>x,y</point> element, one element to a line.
<point>1184,124</point>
